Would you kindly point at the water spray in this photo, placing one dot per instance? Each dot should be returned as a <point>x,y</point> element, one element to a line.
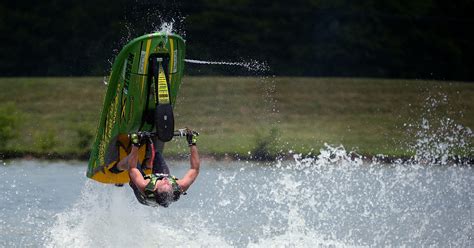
<point>252,65</point>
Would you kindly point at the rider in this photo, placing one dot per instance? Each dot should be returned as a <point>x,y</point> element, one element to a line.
<point>159,188</point>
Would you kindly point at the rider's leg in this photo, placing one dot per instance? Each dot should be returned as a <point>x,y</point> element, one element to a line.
<point>159,164</point>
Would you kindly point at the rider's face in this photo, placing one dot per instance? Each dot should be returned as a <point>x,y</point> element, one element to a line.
<point>163,185</point>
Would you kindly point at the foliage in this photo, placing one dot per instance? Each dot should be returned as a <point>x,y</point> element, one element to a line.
<point>9,119</point>
<point>85,137</point>
<point>266,144</point>
<point>397,38</point>
<point>59,115</point>
<point>46,141</point>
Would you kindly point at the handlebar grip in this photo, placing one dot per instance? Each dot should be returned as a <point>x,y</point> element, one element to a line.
<point>178,133</point>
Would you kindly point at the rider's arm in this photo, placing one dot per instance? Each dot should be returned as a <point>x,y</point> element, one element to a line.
<point>193,172</point>
<point>134,174</point>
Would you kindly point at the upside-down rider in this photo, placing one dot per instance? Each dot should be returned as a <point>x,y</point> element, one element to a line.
<point>159,188</point>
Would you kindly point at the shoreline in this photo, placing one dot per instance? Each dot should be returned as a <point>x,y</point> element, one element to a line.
<point>459,161</point>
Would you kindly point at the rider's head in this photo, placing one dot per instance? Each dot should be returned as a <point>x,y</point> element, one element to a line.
<point>163,192</point>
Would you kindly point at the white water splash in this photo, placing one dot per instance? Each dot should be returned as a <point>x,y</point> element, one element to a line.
<point>167,28</point>
<point>333,200</point>
<point>438,144</point>
<point>338,191</point>
<point>439,138</point>
<point>107,216</point>
<point>251,65</point>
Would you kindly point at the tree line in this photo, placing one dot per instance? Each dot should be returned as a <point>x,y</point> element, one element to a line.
<point>426,39</point>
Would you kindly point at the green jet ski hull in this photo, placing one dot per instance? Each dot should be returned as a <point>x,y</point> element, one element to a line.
<point>146,76</point>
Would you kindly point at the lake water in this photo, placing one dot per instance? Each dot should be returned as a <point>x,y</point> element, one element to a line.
<point>332,201</point>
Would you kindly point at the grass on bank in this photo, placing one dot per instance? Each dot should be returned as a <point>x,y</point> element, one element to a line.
<point>243,115</point>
